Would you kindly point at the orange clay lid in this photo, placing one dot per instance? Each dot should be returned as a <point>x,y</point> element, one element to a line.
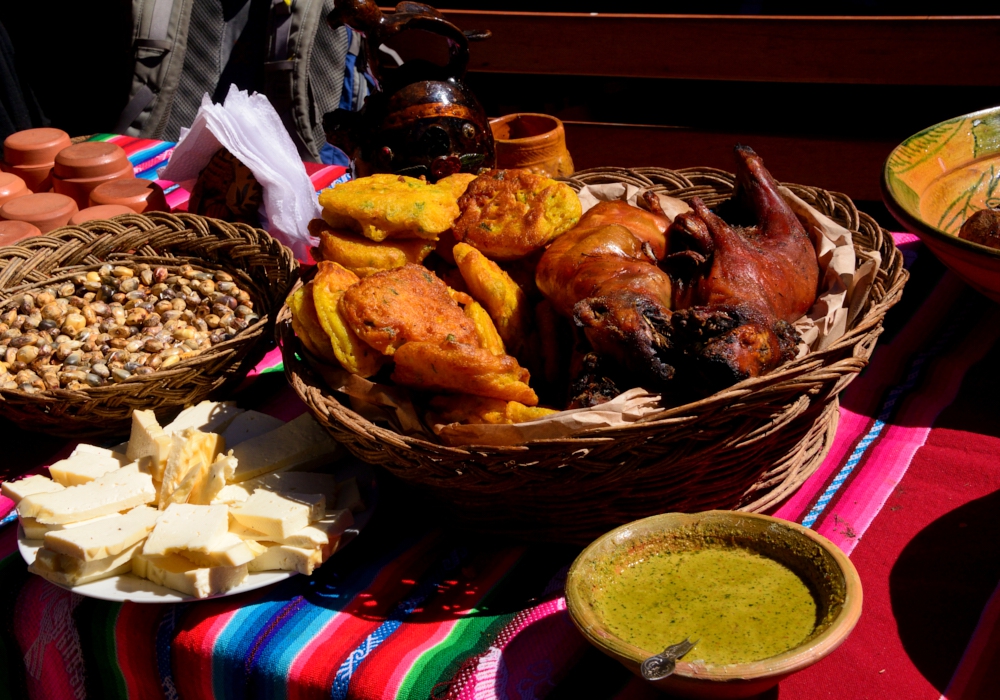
<point>46,210</point>
<point>90,159</point>
<point>136,193</point>
<point>34,146</point>
<point>102,211</point>
<point>12,186</point>
<point>13,231</point>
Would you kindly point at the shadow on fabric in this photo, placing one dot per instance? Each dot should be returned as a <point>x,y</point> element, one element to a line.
<point>941,582</point>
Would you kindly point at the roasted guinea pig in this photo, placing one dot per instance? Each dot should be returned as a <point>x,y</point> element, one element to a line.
<point>723,312</point>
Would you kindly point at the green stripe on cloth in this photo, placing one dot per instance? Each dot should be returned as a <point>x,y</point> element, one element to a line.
<point>13,574</point>
<point>95,622</point>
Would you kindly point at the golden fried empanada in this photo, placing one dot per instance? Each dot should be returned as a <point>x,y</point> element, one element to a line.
<point>489,338</point>
<point>497,292</point>
<point>329,285</point>
<point>362,256</point>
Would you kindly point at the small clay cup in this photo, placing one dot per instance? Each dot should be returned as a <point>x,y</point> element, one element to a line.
<point>46,210</point>
<point>101,211</point>
<point>34,147</point>
<point>137,194</point>
<point>90,159</point>
<point>12,232</point>
<point>79,188</point>
<point>11,187</point>
<point>535,142</point>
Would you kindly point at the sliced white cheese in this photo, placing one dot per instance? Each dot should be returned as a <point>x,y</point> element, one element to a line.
<point>111,493</point>
<point>85,449</point>
<point>294,444</point>
<point>186,526</point>
<point>82,467</point>
<point>174,571</point>
<point>231,494</point>
<point>104,538</point>
<point>148,443</point>
<point>349,496</point>
<point>190,449</point>
<point>29,486</point>
<point>70,571</point>
<point>227,550</point>
<point>322,532</point>
<point>279,515</point>
<point>205,491</point>
<point>207,416</point>
<point>282,557</point>
<point>246,533</point>
<point>296,482</point>
<point>34,530</point>
<point>249,425</point>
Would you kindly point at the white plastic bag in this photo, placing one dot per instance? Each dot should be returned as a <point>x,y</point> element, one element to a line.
<point>249,128</point>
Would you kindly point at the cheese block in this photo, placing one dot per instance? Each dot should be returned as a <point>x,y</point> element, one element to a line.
<point>246,533</point>
<point>213,482</point>
<point>282,557</point>
<point>322,532</point>
<point>182,493</point>
<point>226,550</point>
<point>70,571</point>
<point>207,416</point>
<point>295,482</point>
<point>174,571</point>
<point>256,547</point>
<point>29,486</point>
<point>190,449</point>
<point>84,466</point>
<point>148,443</point>
<point>231,494</point>
<point>104,538</point>
<point>295,444</point>
<point>85,449</point>
<point>278,515</point>
<point>113,492</point>
<point>186,526</point>
<point>34,530</point>
<point>349,496</point>
<point>248,425</point>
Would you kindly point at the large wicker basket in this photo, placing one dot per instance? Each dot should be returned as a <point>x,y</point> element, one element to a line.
<point>257,262</point>
<point>746,447</point>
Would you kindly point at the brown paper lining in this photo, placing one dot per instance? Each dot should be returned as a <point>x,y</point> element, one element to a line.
<point>844,284</point>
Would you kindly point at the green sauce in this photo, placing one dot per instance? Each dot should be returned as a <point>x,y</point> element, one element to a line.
<point>739,605</point>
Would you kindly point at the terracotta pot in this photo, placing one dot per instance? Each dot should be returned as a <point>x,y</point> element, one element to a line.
<point>137,194</point>
<point>90,159</point>
<point>79,188</point>
<point>535,142</point>
<point>12,232</point>
<point>11,187</point>
<point>101,211</point>
<point>34,147</point>
<point>46,210</point>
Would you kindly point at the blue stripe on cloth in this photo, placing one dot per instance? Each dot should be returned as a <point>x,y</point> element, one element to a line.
<point>894,398</point>
<point>164,640</point>
<point>393,621</point>
<point>9,518</point>
<point>140,157</point>
<point>298,619</point>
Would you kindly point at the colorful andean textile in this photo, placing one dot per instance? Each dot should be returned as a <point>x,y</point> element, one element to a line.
<point>414,609</point>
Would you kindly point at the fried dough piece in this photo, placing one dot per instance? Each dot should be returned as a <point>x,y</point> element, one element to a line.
<point>464,369</point>
<point>494,288</point>
<point>383,206</point>
<point>329,285</point>
<point>400,306</point>
<point>305,323</point>
<point>489,338</point>
<point>362,256</point>
<point>463,408</point>
<point>508,214</point>
<point>457,183</point>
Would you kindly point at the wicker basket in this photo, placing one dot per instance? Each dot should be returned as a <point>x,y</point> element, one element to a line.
<point>257,262</point>
<point>746,447</point>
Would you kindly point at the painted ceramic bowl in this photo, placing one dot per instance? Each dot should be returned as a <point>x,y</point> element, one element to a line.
<point>935,180</point>
<point>826,571</point>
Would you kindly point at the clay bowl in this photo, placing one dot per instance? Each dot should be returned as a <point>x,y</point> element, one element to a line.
<point>34,147</point>
<point>44,210</point>
<point>535,142</point>
<point>101,211</point>
<point>11,187</point>
<point>827,570</point>
<point>137,194</point>
<point>936,179</point>
<point>12,232</point>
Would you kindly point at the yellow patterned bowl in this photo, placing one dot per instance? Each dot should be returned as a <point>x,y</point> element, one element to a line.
<point>935,180</point>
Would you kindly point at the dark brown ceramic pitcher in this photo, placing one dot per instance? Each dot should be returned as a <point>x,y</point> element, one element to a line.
<point>422,120</point>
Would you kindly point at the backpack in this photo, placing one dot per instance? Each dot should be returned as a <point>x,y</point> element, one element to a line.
<point>283,49</point>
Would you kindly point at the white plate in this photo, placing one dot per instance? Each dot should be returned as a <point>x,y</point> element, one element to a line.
<point>128,587</point>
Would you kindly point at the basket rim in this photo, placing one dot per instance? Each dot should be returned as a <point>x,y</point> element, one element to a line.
<point>298,371</point>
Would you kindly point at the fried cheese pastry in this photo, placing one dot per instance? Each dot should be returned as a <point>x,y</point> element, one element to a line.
<point>462,368</point>
<point>329,286</point>
<point>463,408</point>
<point>400,306</point>
<point>497,292</point>
<point>305,323</point>
<point>362,256</point>
<point>389,206</point>
<point>508,214</point>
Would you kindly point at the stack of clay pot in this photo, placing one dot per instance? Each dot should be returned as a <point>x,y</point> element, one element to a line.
<point>83,166</point>
<point>31,154</point>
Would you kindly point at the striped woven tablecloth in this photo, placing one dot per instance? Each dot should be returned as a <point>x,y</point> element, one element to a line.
<point>413,609</point>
